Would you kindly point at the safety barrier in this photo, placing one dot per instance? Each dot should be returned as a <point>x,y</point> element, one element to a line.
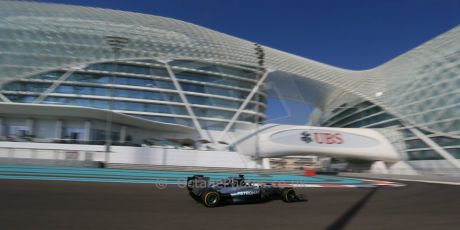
<point>203,169</point>
<point>50,162</point>
<point>17,154</point>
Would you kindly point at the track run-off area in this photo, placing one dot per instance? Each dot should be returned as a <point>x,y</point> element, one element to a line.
<point>43,197</point>
<point>163,177</point>
<point>57,205</point>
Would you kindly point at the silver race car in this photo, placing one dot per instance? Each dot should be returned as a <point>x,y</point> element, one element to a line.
<point>236,190</point>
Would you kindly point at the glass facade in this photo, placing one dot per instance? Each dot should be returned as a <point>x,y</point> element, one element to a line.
<point>26,86</point>
<point>120,80</point>
<point>366,114</point>
<point>126,68</point>
<point>423,155</point>
<point>225,81</point>
<point>215,91</point>
<point>245,73</point>
<point>363,114</point>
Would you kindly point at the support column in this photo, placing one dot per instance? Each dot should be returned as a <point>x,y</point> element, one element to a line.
<point>87,128</point>
<point>1,127</point>
<point>58,130</point>
<point>53,86</point>
<point>30,126</point>
<point>122,134</point>
<point>243,105</point>
<point>379,167</point>
<point>3,98</point>
<point>266,163</point>
<point>185,101</point>
<point>436,147</point>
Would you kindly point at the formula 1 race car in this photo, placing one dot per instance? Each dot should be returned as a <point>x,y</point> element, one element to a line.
<point>236,190</point>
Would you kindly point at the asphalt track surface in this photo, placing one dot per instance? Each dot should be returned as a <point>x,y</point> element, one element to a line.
<point>34,204</point>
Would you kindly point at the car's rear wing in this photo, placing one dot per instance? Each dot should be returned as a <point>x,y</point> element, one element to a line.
<point>196,182</point>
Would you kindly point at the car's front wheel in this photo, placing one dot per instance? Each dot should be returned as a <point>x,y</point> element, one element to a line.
<point>210,198</point>
<point>288,195</point>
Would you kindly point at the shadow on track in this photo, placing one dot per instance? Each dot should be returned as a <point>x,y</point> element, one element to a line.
<point>348,215</point>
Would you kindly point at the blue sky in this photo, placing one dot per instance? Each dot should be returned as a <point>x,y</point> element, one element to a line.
<point>355,34</point>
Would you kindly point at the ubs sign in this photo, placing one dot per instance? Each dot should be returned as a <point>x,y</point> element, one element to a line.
<point>322,138</point>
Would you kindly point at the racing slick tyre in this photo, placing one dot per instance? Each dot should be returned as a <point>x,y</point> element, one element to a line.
<point>288,195</point>
<point>210,198</point>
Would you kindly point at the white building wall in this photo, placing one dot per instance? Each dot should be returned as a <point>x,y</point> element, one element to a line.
<point>126,154</point>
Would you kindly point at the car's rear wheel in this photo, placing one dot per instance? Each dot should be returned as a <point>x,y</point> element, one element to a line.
<point>288,195</point>
<point>210,198</point>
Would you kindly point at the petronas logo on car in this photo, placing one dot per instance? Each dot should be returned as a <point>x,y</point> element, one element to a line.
<point>242,193</point>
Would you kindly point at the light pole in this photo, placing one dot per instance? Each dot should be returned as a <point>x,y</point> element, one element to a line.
<point>260,54</point>
<point>116,43</point>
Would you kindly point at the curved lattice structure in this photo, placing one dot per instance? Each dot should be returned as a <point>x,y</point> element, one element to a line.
<point>198,76</point>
